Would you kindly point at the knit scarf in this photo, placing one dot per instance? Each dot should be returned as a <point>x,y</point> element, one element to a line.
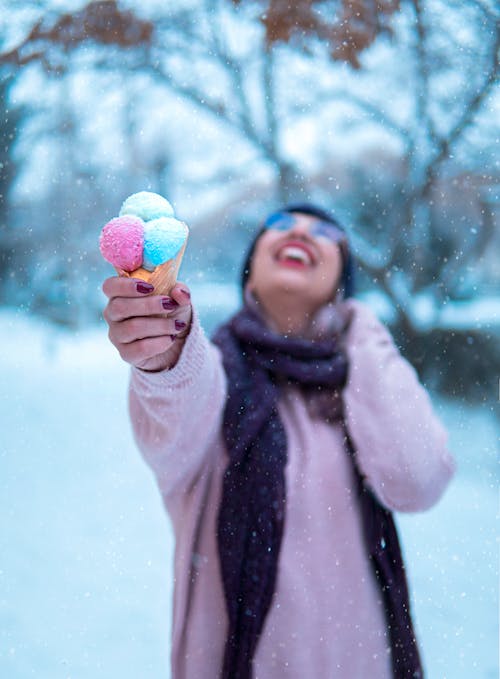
<point>252,511</point>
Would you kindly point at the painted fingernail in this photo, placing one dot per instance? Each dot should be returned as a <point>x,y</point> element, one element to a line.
<point>145,288</point>
<point>168,303</point>
<point>180,325</point>
<point>186,292</point>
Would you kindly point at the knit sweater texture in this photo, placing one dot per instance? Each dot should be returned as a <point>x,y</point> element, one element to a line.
<point>327,617</point>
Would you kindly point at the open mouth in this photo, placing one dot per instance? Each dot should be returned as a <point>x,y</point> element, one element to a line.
<point>295,254</point>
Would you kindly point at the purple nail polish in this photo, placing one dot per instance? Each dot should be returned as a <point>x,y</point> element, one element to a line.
<point>180,325</point>
<point>168,303</point>
<point>145,288</point>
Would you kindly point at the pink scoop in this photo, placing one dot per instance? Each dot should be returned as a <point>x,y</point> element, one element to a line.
<point>122,242</point>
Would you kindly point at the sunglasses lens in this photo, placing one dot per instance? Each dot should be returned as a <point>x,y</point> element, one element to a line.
<point>328,230</point>
<point>280,221</point>
<point>284,221</point>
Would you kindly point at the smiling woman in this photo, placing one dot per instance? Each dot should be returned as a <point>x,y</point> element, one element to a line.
<point>295,271</point>
<point>281,449</point>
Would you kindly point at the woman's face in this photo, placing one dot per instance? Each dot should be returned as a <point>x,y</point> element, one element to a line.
<point>303,261</point>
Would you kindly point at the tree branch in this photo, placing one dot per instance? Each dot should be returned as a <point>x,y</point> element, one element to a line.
<point>371,109</point>
<point>463,123</point>
<point>234,70</point>
<point>423,75</point>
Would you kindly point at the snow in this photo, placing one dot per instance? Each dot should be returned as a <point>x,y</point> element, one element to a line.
<point>86,548</point>
<point>427,313</point>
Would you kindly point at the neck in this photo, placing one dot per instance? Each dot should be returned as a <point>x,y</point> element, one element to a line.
<point>287,316</point>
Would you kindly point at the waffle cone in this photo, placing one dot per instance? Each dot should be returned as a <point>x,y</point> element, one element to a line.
<point>163,277</point>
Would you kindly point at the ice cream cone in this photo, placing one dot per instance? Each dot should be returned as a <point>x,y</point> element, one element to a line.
<point>163,277</point>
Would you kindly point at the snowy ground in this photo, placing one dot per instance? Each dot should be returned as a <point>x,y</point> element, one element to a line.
<point>86,549</point>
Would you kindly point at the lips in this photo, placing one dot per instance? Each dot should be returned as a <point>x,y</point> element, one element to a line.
<point>296,253</point>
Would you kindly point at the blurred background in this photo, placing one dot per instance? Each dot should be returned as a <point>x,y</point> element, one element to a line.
<point>387,114</point>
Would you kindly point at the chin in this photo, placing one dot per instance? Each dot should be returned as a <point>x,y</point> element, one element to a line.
<point>290,283</point>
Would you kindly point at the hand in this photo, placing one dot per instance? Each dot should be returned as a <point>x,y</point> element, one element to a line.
<point>148,330</point>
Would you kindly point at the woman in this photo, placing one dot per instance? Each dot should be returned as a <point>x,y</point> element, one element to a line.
<point>280,449</point>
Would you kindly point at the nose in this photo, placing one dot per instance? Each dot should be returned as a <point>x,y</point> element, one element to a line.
<point>301,227</point>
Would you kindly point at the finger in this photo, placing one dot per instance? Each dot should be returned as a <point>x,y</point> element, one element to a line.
<point>143,349</point>
<point>122,286</point>
<point>120,308</point>
<point>183,317</point>
<point>181,294</point>
<point>135,329</point>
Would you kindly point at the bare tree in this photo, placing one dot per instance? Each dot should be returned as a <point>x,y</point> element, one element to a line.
<point>259,67</point>
<point>177,48</point>
<point>430,146</point>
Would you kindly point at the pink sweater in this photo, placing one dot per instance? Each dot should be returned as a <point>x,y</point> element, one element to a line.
<point>327,619</point>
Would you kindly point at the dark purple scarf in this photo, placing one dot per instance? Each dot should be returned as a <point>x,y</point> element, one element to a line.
<point>253,503</point>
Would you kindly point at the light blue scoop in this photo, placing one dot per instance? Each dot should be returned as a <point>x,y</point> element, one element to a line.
<point>147,206</point>
<point>163,239</point>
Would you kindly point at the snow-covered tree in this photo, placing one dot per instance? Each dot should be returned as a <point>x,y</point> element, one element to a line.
<point>296,97</point>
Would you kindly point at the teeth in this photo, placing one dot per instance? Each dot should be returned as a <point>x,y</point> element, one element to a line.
<point>295,253</point>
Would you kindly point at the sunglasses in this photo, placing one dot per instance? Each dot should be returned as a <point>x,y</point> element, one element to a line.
<point>284,221</point>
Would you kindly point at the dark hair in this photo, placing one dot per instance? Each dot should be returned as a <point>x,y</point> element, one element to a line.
<point>347,277</point>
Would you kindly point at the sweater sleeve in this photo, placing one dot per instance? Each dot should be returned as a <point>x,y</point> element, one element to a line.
<point>176,414</point>
<point>401,446</point>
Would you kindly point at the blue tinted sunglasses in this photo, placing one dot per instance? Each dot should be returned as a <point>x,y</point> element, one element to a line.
<point>284,221</point>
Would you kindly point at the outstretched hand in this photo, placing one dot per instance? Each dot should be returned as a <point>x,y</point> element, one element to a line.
<point>147,329</point>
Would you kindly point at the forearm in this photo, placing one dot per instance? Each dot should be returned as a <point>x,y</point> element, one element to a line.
<point>176,413</point>
<point>401,446</point>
